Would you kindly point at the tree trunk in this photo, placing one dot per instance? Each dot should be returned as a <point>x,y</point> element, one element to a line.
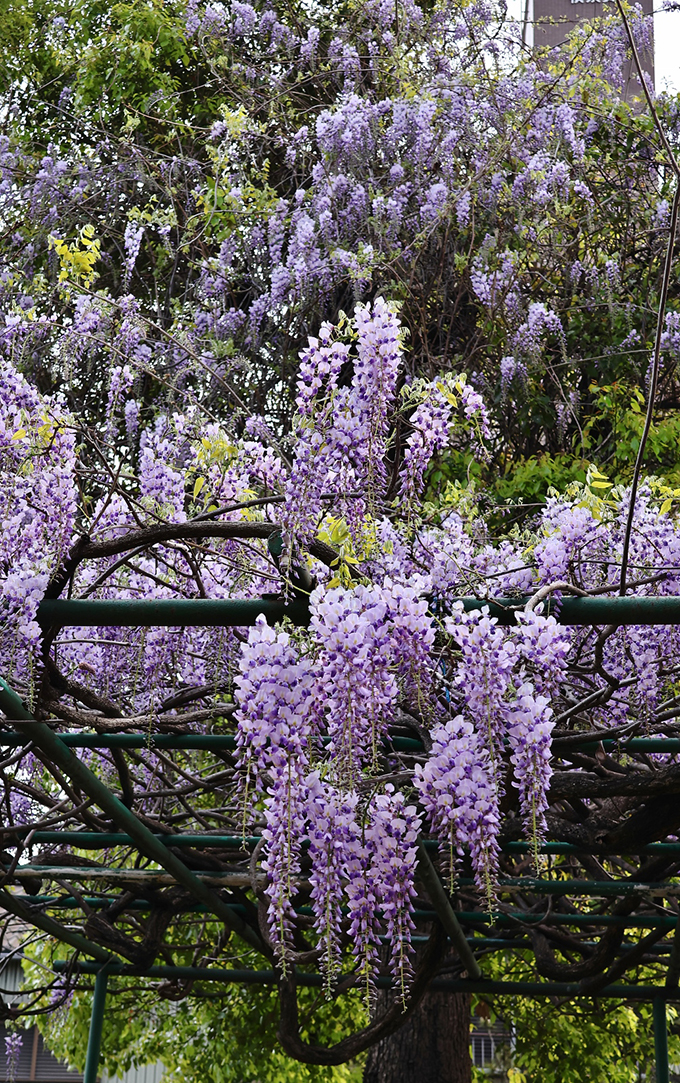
<point>432,1047</point>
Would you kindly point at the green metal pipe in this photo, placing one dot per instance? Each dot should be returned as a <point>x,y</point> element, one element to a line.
<point>94,1040</point>
<point>447,985</point>
<point>570,610</point>
<point>104,840</point>
<point>203,741</point>
<point>661,1040</point>
<point>239,612</point>
<point>536,886</point>
<point>660,848</point>
<point>226,741</point>
<point>222,741</point>
<point>58,754</point>
<point>93,840</point>
<point>441,902</point>
<point>642,921</point>
<point>168,612</point>
<point>499,943</point>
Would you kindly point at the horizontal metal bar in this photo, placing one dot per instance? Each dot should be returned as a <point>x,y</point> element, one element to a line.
<point>93,840</point>
<point>444,985</point>
<point>499,943</point>
<point>512,917</point>
<point>69,902</point>
<point>536,886</point>
<point>631,609</point>
<point>168,612</point>
<point>104,840</point>
<point>241,612</point>
<point>226,741</point>
<point>206,741</point>
<point>520,847</point>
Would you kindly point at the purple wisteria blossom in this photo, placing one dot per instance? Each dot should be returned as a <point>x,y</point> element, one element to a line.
<point>529,728</point>
<point>458,790</point>
<point>13,1045</point>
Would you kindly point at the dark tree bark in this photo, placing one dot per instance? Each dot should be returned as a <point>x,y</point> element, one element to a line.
<point>432,1047</point>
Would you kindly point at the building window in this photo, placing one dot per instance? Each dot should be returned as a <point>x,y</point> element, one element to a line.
<point>482,1049</point>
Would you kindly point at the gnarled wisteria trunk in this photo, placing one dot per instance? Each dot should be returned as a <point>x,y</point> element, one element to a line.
<point>432,1047</point>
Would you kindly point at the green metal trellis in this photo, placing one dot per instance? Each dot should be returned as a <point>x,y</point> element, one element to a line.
<point>240,613</point>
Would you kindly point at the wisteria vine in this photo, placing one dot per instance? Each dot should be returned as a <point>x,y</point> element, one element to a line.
<point>389,647</point>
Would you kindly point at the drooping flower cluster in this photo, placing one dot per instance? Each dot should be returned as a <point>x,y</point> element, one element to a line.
<point>529,730</point>
<point>277,692</point>
<point>13,1044</point>
<point>346,694</point>
<point>458,791</point>
<point>334,845</point>
<point>38,506</point>
<point>463,781</point>
<point>359,689</point>
<point>341,438</point>
<point>391,839</point>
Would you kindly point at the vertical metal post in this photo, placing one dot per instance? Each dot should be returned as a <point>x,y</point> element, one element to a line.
<point>660,1041</point>
<point>94,1040</point>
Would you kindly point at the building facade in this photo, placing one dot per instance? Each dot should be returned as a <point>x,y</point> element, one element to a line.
<point>549,22</point>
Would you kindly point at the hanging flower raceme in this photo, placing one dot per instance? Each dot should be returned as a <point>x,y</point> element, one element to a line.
<point>353,630</point>
<point>277,693</point>
<point>391,839</point>
<point>459,792</point>
<point>411,639</point>
<point>373,390</point>
<point>283,834</point>
<point>484,674</point>
<point>341,439</point>
<point>430,434</point>
<point>318,447</point>
<point>544,645</point>
<point>334,846</point>
<point>433,428</point>
<point>530,727</point>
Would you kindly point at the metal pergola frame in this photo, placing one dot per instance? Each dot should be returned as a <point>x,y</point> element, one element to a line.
<point>242,613</point>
